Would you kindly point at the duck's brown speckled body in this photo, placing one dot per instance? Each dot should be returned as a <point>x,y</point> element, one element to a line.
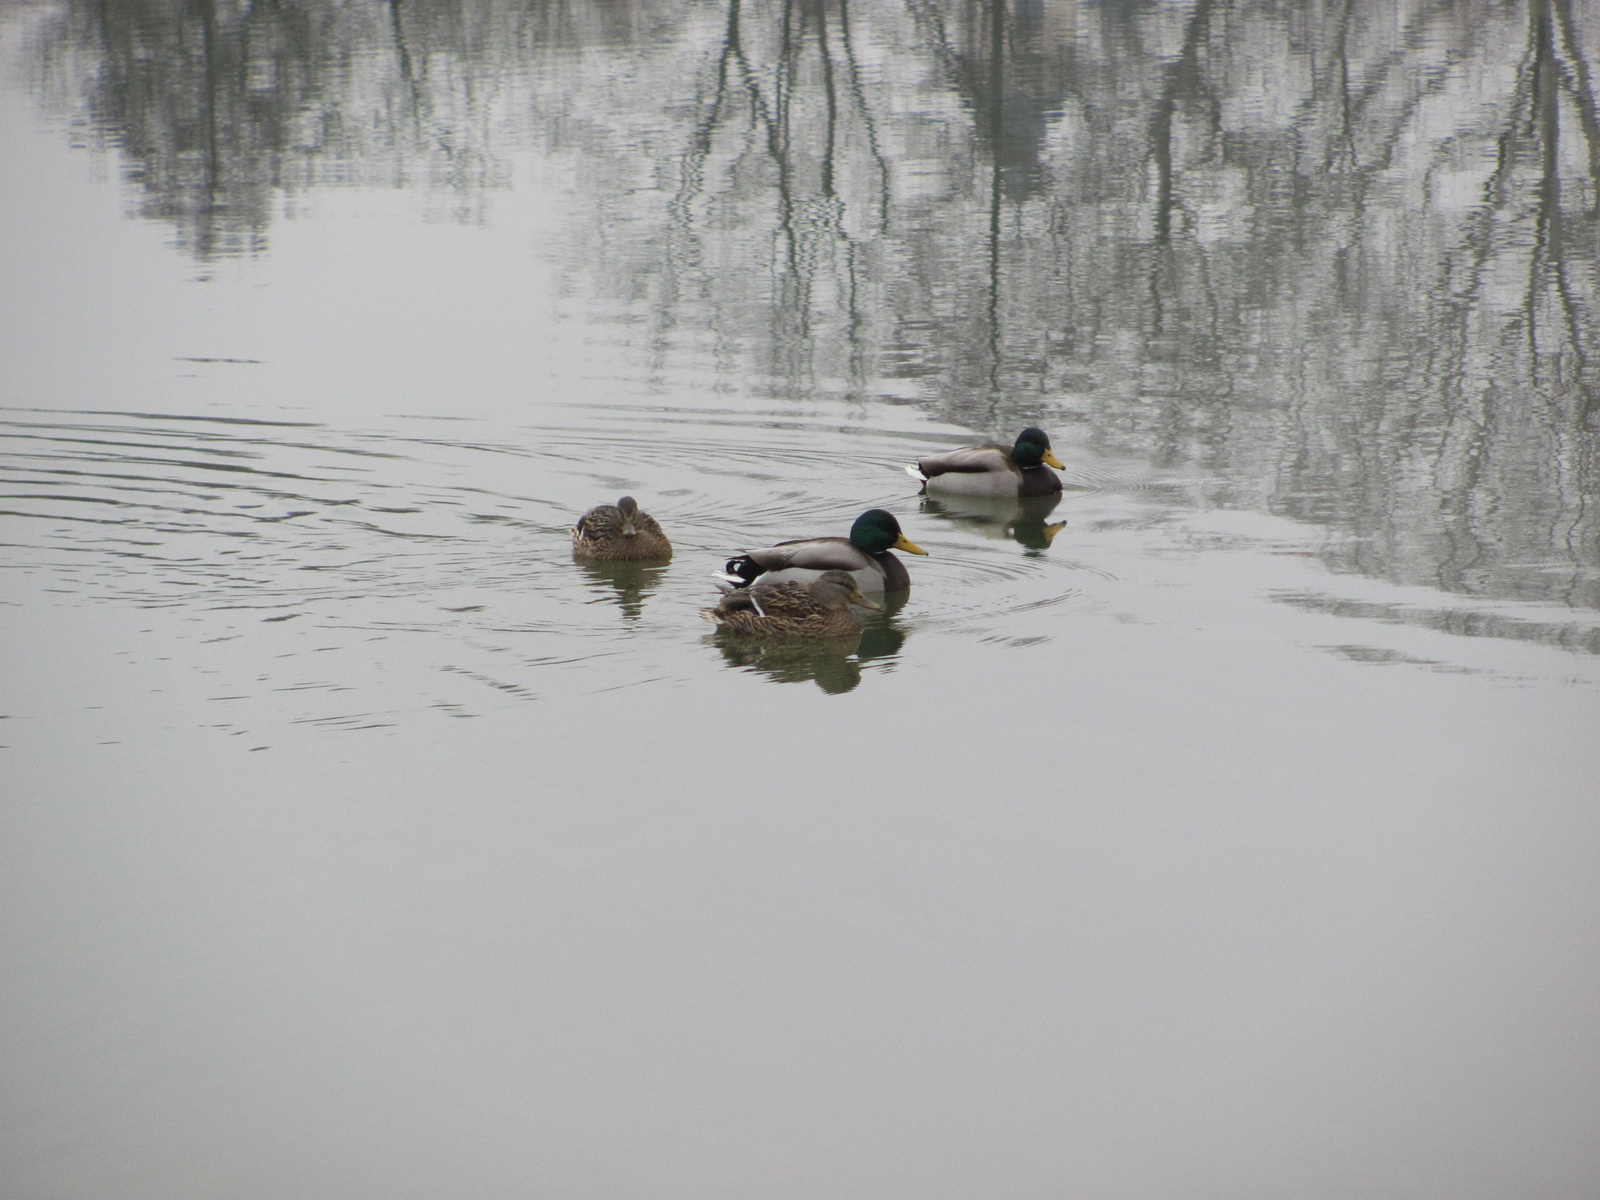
<point>619,533</point>
<point>820,609</point>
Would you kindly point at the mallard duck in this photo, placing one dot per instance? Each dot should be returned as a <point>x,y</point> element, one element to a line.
<point>993,469</point>
<point>820,609</point>
<point>619,533</point>
<point>864,554</point>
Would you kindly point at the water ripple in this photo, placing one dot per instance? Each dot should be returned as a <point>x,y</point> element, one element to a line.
<point>456,536</point>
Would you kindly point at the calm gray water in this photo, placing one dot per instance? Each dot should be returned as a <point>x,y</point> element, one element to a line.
<point>1238,842</point>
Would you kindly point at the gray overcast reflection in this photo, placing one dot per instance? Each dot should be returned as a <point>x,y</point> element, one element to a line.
<point>1224,830</point>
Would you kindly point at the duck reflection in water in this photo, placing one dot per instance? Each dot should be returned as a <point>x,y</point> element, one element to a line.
<point>882,635</point>
<point>1023,520</point>
<point>630,584</point>
<point>829,662</point>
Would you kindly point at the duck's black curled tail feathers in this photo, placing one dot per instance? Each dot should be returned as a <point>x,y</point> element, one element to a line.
<point>742,571</point>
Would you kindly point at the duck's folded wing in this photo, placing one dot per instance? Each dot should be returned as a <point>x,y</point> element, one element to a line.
<point>784,599</point>
<point>735,601</point>
<point>816,554</point>
<point>601,521</point>
<point>972,460</point>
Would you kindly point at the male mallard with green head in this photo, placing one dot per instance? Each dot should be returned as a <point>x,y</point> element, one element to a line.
<point>619,533</point>
<point>864,555</point>
<point>1020,470</point>
<point>819,609</point>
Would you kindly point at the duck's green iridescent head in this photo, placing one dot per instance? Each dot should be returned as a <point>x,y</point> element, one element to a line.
<point>1032,448</point>
<point>876,531</point>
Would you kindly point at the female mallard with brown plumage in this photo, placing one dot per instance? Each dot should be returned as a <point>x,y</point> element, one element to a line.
<point>619,533</point>
<point>820,609</point>
<point>1019,470</point>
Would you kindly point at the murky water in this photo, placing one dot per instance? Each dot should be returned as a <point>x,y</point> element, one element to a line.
<point>1235,838</point>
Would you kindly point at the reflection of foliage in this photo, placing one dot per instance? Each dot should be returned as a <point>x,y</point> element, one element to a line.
<point>219,106</point>
<point>201,104</point>
<point>1347,262</point>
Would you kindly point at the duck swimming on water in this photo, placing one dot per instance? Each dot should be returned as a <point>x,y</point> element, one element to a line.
<point>1019,471</point>
<point>619,533</point>
<point>864,555</point>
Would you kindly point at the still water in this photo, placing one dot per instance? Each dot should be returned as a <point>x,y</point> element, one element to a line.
<point>1236,839</point>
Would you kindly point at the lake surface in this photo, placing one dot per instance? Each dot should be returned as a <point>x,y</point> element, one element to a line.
<point>1236,840</point>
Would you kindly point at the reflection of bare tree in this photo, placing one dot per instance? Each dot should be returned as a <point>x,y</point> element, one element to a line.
<point>773,124</point>
<point>1496,335</point>
<point>1182,80</point>
<point>1346,260</point>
